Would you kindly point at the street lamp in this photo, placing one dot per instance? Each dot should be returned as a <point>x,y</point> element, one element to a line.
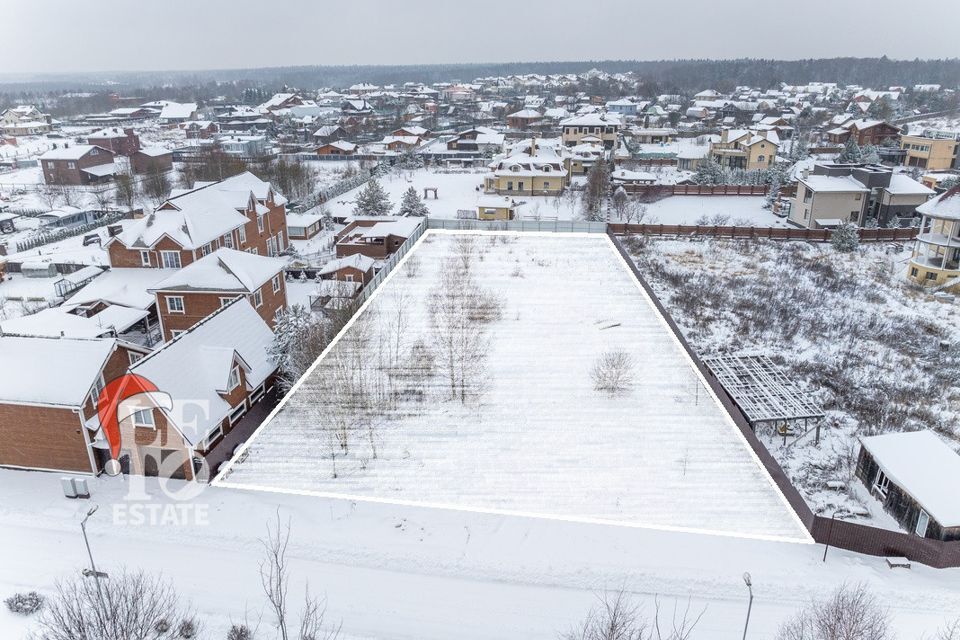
<point>746,580</point>
<point>93,567</point>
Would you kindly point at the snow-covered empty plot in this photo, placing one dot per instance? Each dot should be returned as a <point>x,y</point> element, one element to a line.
<point>498,409</point>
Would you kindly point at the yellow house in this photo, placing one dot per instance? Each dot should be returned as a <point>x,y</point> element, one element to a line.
<point>929,152</point>
<point>580,158</point>
<point>604,126</point>
<point>745,149</point>
<point>491,207</point>
<point>537,171</point>
<point>936,252</point>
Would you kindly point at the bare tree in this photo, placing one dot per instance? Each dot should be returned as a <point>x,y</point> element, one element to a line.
<point>613,372</point>
<point>103,198</point>
<point>850,613</point>
<point>275,579</point>
<point>157,184</point>
<point>949,631</point>
<point>615,617</point>
<point>126,190</point>
<point>128,605</point>
<point>49,196</point>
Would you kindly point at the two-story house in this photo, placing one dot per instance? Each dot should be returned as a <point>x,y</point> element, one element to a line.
<point>376,237</point>
<point>77,165</point>
<point>745,149</point>
<point>604,126</point>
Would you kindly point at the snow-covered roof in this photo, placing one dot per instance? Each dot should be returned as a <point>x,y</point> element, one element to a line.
<point>592,120</point>
<point>126,287</point>
<point>50,371</point>
<point>837,184</point>
<point>57,321</point>
<point>491,201</point>
<point>901,185</point>
<point>946,205</point>
<point>73,152</point>
<point>154,152</point>
<point>921,464</point>
<point>224,270</point>
<point>177,111</point>
<point>357,261</point>
<point>195,366</point>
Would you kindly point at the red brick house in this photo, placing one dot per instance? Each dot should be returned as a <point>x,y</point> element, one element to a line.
<point>355,268</point>
<point>865,132</point>
<point>121,141</point>
<point>337,148</point>
<point>200,129</point>
<point>204,286</point>
<point>303,226</point>
<point>376,237</point>
<point>151,159</point>
<point>242,212</point>
<point>214,373</point>
<point>77,165</point>
<point>48,392</point>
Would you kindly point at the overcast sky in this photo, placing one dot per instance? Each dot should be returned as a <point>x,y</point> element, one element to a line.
<point>100,35</point>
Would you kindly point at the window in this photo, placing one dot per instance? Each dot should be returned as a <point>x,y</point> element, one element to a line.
<point>276,283</point>
<point>260,224</point>
<point>914,271</point>
<point>858,196</point>
<point>546,185</point>
<point>348,277</point>
<point>882,483</point>
<point>520,186</point>
<point>923,521</point>
<point>227,241</point>
<point>278,314</point>
<point>242,232</point>
<point>71,165</point>
<point>257,299</point>
<point>258,393</point>
<point>237,412</point>
<point>170,259</point>
<point>175,304</point>
<point>234,380</point>
<point>176,332</point>
<point>98,386</point>
<point>931,275</point>
<point>279,241</point>
<point>761,158</point>
<point>510,186</point>
<point>225,301</point>
<point>144,258</point>
<point>143,418</point>
<point>270,246</point>
<point>134,357</point>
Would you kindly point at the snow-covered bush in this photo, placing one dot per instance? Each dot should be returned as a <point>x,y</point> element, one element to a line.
<point>239,632</point>
<point>25,604</point>
<point>850,613</point>
<point>612,372</point>
<point>846,237</point>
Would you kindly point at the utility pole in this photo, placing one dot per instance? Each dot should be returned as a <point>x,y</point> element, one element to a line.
<point>746,580</point>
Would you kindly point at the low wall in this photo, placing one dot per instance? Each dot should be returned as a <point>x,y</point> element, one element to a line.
<point>771,233</point>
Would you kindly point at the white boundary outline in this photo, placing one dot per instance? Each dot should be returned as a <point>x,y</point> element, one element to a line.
<point>219,481</point>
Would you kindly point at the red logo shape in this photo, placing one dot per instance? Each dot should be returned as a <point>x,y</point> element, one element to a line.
<point>110,406</point>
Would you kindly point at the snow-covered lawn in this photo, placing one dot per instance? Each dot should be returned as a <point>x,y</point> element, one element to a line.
<point>732,210</point>
<point>847,326</point>
<point>534,436</point>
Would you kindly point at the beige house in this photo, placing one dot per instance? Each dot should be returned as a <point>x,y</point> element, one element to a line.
<point>929,151</point>
<point>604,126</point>
<point>537,170</point>
<point>745,149</point>
<point>827,201</point>
<point>493,207</point>
<point>936,253</point>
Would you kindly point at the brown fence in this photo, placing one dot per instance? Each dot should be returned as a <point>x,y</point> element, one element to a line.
<point>664,190</point>
<point>845,535</point>
<point>771,233</point>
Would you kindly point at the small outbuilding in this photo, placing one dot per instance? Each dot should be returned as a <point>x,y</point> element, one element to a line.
<point>914,475</point>
<point>493,207</point>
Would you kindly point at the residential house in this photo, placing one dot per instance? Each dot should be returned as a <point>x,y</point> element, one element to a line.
<point>936,251</point>
<point>824,201</point>
<point>200,129</point>
<point>329,133</point>
<point>864,132</point>
<point>337,148</point>
<point>242,212</point>
<point>479,139</point>
<point>49,389</point>
<point>303,226</point>
<point>195,292</point>
<point>653,136</point>
<point>898,199</point>
<point>354,268</point>
<point>524,120</point>
<point>120,141</point>
<point>932,150</point>
<point>150,159</point>
<point>24,120</point>
<point>537,170</point>
<point>493,207</point>
<point>176,113</point>
<point>606,127</point>
<point>745,149</point>
<point>214,373</point>
<point>80,164</point>
<point>913,476</point>
<point>376,237</point>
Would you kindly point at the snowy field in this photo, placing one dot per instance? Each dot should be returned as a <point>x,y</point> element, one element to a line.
<point>847,326</point>
<point>726,210</point>
<point>533,434</point>
<point>396,573</point>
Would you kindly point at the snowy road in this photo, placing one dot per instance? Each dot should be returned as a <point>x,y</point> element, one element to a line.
<point>401,572</point>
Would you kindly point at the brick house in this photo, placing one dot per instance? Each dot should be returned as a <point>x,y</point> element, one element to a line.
<point>337,148</point>
<point>355,268</point>
<point>376,237</point>
<point>214,373</point>
<point>121,141</point>
<point>242,212</point>
<point>201,288</point>
<point>151,158</point>
<point>77,165</point>
<point>865,132</point>
<point>48,391</point>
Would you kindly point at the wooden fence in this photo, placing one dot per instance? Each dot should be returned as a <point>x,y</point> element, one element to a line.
<point>837,533</point>
<point>664,190</point>
<point>770,233</point>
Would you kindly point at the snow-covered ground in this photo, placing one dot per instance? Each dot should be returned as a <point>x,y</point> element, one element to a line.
<point>540,439</point>
<point>393,572</point>
<point>847,326</point>
<point>730,210</point>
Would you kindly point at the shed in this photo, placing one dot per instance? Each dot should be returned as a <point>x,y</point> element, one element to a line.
<point>914,476</point>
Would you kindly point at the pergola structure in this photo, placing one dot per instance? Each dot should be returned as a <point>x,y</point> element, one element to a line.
<point>764,392</point>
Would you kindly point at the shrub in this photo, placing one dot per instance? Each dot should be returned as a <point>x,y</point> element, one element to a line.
<point>613,372</point>
<point>240,632</point>
<point>845,237</point>
<point>25,604</point>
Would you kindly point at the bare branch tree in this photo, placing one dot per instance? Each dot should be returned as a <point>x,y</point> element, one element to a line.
<point>850,613</point>
<point>613,372</point>
<point>615,617</point>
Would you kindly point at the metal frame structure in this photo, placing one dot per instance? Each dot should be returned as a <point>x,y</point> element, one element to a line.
<point>762,390</point>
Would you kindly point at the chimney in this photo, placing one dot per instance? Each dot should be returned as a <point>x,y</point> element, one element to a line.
<point>533,146</point>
